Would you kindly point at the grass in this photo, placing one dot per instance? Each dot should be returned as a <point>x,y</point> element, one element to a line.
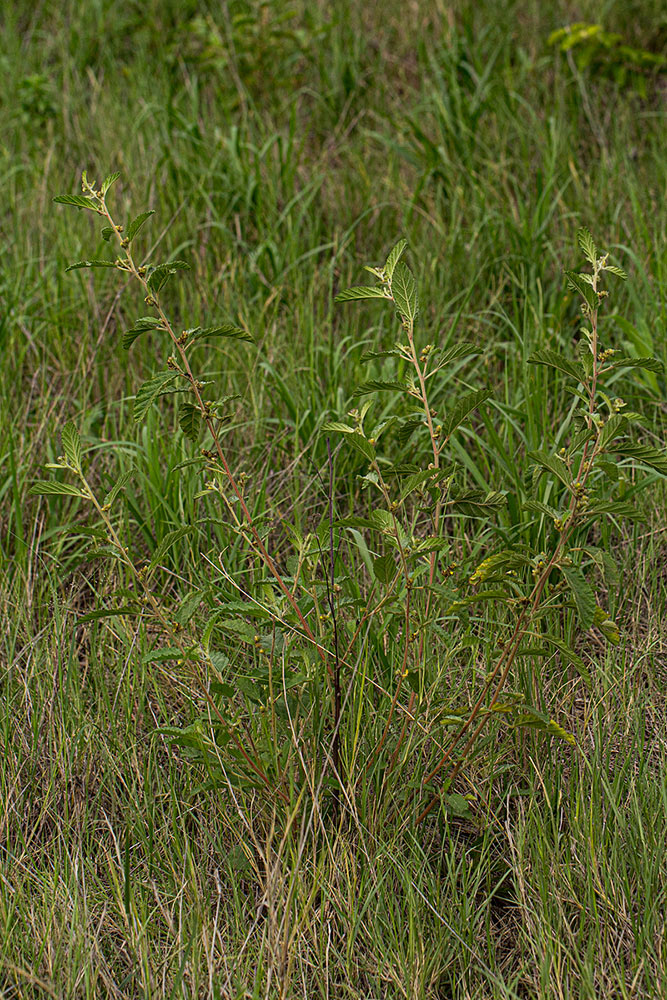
<point>280,152</point>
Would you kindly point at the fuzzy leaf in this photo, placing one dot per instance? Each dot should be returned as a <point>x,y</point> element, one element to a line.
<point>150,391</point>
<point>119,485</point>
<point>189,420</point>
<point>576,282</point>
<point>394,257</point>
<point>108,181</point>
<point>71,445</point>
<point>460,410</point>
<point>361,292</point>
<point>583,594</point>
<point>90,263</point>
<point>78,200</point>
<point>553,464</point>
<point>404,292</point>
<point>49,487</point>
<point>378,385</point>
<point>554,360</point>
<point>644,453</point>
<point>384,568</point>
<point>224,330</point>
<point>618,271</point>
<point>587,245</point>
<point>135,225</point>
<point>161,274</point>
<point>648,364</point>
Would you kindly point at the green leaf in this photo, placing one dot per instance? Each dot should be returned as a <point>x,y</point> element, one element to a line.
<point>495,563</point>
<point>404,292</point>
<point>570,656</point>
<point>47,487</point>
<point>169,539</point>
<point>107,233</point>
<point>476,502</point>
<point>576,282</point>
<point>161,274</point>
<point>417,479</point>
<point>553,464</point>
<point>394,257</point>
<point>614,427</point>
<point>108,181</point>
<point>224,330</point>
<point>362,445</point>
<point>135,225</point>
<point>378,385</point>
<point>588,248</point>
<point>141,325</point>
<point>71,445</point>
<point>189,420</point>
<point>532,718</point>
<point>583,594</point>
<point>460,410</point>
<point>92,616</point>
<point>119,485</point>
<point>554,360</point>
<point>150,391</point>
<point>462,350</point>
<point>78,200</point>
<point>644,453</point>
<point>90,263</point>
<point>648,364</point>
<point>361,292</point>
<point>617,508</point>
<point>618,271</point>
<point>384,569</point>
<point>334,425</point>
<point>541,508</point>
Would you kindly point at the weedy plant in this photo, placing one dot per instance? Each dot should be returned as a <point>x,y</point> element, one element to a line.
<point>340,688</point>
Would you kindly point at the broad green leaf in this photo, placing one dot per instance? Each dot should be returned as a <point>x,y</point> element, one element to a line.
<point>334,425</point>
<point>588,248</point>
<point>404,292</point>
<point>117,487</point>
<point>532,718</point>
<point>553,464</point>
<point>135,225</point>
<point>378,385</point>
<point>583,594</point>
<point>614,427</point>
<point>92,616</point>
<point>189,420</point>
<point>150,391</point>
<point>108,181</point>
<point>384,568</point>
<point>417,479</point>
<point>576,282</point>
<point>141,325</point>
<point>78,200</point>
<point>224,330</point>
<point>71,445</point>
<point>554,360</point>
<point>394,257</point>
<point>618,271</point>
<point>462,408</point>
<point>497,562</point>
<point>462,350</point>
<point>160,275</point>
<point>607,626</point>
<point>107,233</point>
<point>90,263</point>
<point>541,508</point>
<point>361,292</point>
<point>47,487</point>
<point>644,453</point>
<point>617,508</point>
<point>362,445</point>
<point>648,364</point>
<point>476,502</point>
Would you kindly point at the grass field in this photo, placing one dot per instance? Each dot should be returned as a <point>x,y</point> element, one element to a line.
<point>283,145</point>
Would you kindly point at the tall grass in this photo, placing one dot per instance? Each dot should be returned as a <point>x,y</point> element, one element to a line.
<point>279,150</point>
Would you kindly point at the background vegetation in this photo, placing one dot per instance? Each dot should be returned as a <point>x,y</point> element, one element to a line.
<point>283,145</point>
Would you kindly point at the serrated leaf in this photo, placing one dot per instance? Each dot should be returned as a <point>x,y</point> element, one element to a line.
<point>614,427</point>
<point>417,479</point>
<point>553,464</point>
<point>394,257</point>
<point>554,360</point>
<point>224,330</point>
<point>575,282</point>
<point>404,292</point>
<point>362,445</point>
<point>78,200</point>
<point>361,292</point>
<point>48,487</point>
<point>475,502</point>
<point>161,274</point>
<point>90,263</point>
<point>334,425</point>
<point>504,560</point>
<point>644,453</point>
<point>141,326</point>
<point>189,420</point>
<point>150,391</point>
<point>583,594</point>
<point>541,508</point>
<point>587,245</point>
<point>92,616</point>
<point>135,225</point>
<point>570,656</point>
<point>384,569</point>
<point>119,485</point>
<point>648,364</point>
<point>618,271</point>
<point>456,352</point>
<point>461,409</point>
<point>108,181</point>
<point>378,385</point>
<point>71,445</point>
<point>532,718</point>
